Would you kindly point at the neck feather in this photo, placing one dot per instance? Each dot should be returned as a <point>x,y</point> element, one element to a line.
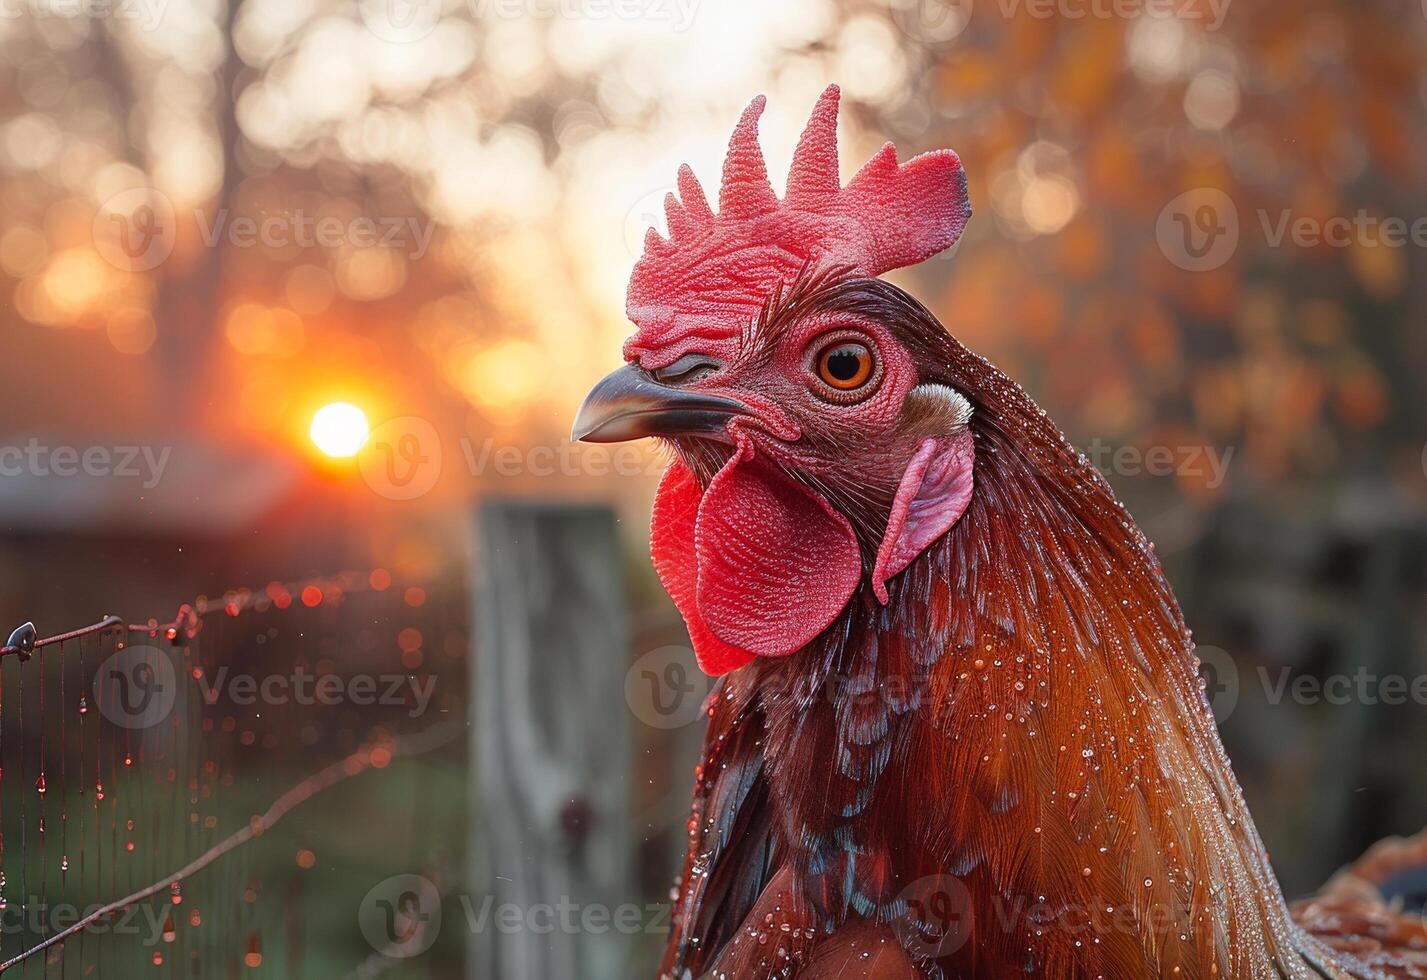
<point>1026,715</point>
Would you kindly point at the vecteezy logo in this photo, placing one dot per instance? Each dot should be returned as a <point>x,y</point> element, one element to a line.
<point>402,459</point>
<point>937,920</point>
<point>136,687</point>
<point>933,21</point>
<point>401,21</point>
<point>647,213</point>
<point>665,688</point>
<point>401,917</point>
<point>1198,230</point>
<point>135,229</point>
<point>1219,677</point>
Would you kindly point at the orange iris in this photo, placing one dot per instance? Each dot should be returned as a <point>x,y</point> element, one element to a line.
<point>845,366</point>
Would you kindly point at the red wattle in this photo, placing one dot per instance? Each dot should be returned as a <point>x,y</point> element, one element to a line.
<point>671,544</point>
<point>757,565</point>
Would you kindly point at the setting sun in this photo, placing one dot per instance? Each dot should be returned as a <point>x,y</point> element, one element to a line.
<point>339,430</point>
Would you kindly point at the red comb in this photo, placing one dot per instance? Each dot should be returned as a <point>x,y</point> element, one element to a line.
<point>713,274</point>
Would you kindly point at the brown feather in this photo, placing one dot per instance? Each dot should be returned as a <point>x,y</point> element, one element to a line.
<point>1025,715</point>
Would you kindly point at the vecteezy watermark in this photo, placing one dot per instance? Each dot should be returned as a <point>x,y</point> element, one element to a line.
<point>1362,686</point>
<point>401,21</point>
<point>38,917</point>
<point>645,215</point>
<point>1023,914</point>
<point>1209,463</point>
<point>679,15</point>
<point>330,690</point>
<point>1219,680</point>
<point>34,458</point>
<point>401,916</point>
<point>1212,12</point>
<point>409,235</point>
<point>147,14</point>
<point>403,459</point>
<point>931,21</point>
<point>1199,230</point>
<point>938,919</point>
<point>136,687</point>
<point>1222,682</point>
<point>565,917</point>
<point>136,230</point>
<point>405,21</point>
<point>666,689</point>
<point>565,460</point>
<point>1364,230</point>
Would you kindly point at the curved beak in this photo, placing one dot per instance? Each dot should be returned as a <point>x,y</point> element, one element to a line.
<point>629,404</point>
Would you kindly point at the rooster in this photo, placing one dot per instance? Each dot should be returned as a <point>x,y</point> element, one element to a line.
<point>958,728</point>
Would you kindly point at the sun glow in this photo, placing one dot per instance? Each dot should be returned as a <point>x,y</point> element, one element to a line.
<point>339,429</point>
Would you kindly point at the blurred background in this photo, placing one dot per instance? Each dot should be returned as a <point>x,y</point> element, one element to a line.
<point>289,287</point>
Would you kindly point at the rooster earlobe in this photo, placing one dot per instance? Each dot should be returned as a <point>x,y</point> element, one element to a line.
<point>935,490</point>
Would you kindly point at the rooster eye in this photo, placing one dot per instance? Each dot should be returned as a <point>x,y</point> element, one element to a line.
<point>845,366</point>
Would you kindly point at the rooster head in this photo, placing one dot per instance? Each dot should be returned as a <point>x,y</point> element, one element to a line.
<point>820,444</point>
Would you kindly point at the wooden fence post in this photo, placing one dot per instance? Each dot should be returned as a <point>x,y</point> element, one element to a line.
<point>550,748</point>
